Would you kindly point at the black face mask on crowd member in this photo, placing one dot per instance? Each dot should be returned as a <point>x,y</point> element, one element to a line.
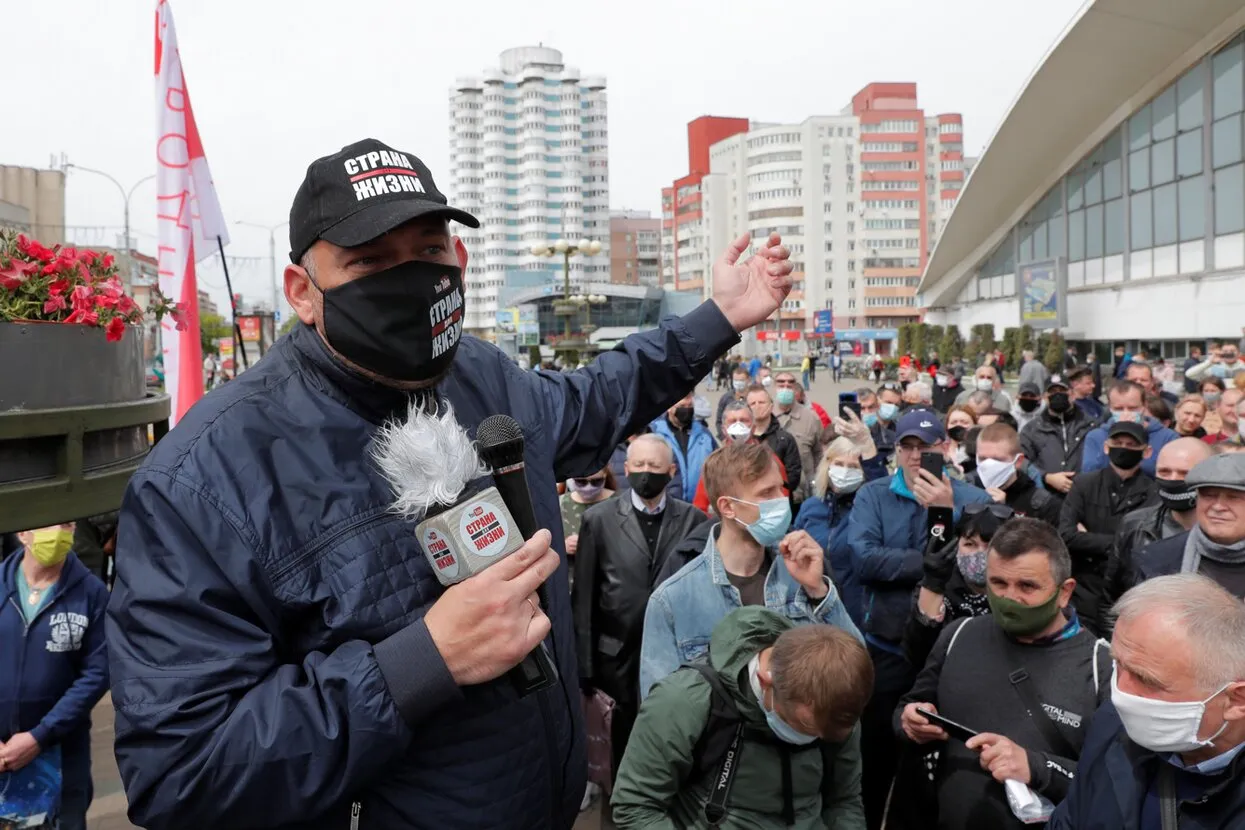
<point>1059,403</point>
<point>403,323</point>
<point>1126,458</point>
<point>1028,404</point>
<point>1177,495</point>
<point>957,434</point>
<point>648,485</point>
<point>683,415</point>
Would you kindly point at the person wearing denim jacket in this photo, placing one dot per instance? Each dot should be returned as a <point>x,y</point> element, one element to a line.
<point>682,612</point>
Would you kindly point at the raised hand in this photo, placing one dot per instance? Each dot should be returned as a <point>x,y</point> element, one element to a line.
<point>750,291</point>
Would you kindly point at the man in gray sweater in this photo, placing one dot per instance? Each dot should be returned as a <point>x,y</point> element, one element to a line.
<point>1026,677</point>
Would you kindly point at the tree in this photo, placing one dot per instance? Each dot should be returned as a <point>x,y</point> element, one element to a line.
<point>952,344</point>
<point>533,356</point>
<point>981,341</point>
<point>287,326</point>
<point>212,327</point>
<point>920,341</point>
<point>933,340</point>
<point>1053,355</point>
<point>905,338</point>
<point>1012,346</point>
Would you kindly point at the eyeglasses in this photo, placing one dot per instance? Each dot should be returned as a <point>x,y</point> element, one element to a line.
<point>999,511</point>
<point>892,386</point>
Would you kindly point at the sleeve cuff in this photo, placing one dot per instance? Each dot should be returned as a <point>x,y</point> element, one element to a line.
<point>709,328</point>
<point>824,604</point>
<point>415,673</point>
<point>41,734</point>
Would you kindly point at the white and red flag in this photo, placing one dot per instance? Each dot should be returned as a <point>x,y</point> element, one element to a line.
<point>188,215</point>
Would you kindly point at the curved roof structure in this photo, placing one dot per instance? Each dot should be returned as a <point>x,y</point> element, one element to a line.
<point>1110,60</point>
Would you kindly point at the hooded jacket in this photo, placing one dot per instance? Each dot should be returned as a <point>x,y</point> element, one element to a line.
<point>270,662</point>
<point>654,790</point>
<point>700,445</point>
<point>54,670</point>
<point>1157,436</point>
<point>1056,444</point>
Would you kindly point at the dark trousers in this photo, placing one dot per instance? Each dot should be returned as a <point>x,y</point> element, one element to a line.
<point>893,676</point>
<point>76,794</point>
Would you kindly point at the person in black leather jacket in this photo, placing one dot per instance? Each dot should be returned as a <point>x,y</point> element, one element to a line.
<point>1054,441</point>
<point>1093,510</point>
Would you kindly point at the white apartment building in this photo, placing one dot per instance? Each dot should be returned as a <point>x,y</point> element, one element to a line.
<point>860,199</point>
<point>529,154</point>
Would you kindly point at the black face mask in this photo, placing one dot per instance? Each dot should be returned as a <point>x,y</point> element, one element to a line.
<point>1177,495</point>
<point>403,323</point>
<point>1125,458</point>
<point>683,415</point>
<point>957,434</point>
<point>648,485</point>
<point>1028,404</point>
<point>1059,403</point>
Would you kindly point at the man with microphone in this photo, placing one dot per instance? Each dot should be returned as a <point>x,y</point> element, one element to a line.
<point>282,655</point>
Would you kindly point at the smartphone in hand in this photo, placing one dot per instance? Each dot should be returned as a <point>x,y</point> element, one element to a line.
<point>933,462</point>
<point>955,730</point>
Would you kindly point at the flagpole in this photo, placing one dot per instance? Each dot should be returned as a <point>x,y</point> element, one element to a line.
<point>239,349</point>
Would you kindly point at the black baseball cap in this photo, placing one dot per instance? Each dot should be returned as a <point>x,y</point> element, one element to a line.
<point>1078,372</point>
<point>1030,389</point>
<point>1132,429</point>
<point>361,192</point>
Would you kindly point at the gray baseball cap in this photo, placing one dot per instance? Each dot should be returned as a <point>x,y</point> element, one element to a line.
<point>1226,471</point>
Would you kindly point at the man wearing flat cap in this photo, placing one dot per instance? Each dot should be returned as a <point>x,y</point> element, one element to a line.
<point>282,655</point>
<point>1215,547</point>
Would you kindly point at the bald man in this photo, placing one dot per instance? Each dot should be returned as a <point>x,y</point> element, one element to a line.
<point>1173,515</point>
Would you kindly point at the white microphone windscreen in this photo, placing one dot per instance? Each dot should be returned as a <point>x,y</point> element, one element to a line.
<point>427,459</point>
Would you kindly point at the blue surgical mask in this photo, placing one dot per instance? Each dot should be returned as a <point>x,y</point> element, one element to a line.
<point>772,523</point>
<point>1219,370</point>
<point>888,411</point>
<point>870,419</point>
<point>784,397</point>
<point>781,729</point>
<point>1125,417</point>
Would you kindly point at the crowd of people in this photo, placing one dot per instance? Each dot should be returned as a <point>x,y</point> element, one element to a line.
<point>1016,562</point>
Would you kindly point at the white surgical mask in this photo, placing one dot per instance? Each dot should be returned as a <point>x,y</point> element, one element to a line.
<point>1161,725</point>
<point>846,479</point>
<point>994,473</point>
<point>985,385</point>
<point>739,385</point>
<point>942,380</point>
<point>739,432</point>
<point>767,382</point>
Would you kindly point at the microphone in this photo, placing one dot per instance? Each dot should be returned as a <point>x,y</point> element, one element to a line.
<point>429,460</point>
<point>499,440</point>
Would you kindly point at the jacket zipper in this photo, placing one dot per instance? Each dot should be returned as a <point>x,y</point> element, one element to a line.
<point>356,809</point>
<point>21,660</point>
<point>366,519</point>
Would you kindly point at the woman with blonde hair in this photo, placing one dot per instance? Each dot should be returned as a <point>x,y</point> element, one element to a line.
<point>847,463</point>
<point>1190,413</point>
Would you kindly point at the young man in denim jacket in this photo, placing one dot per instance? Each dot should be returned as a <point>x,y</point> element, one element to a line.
<point>750,559</point>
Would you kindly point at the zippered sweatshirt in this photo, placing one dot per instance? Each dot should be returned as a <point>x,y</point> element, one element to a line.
<point>54,670</point>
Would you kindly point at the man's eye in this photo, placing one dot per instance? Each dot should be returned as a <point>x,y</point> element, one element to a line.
<point>435,250</point>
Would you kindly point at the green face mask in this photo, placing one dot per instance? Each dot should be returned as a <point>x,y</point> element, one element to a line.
<point>1020,620</point>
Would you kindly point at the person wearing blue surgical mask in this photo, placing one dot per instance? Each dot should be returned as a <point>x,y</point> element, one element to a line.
<point>1126,402</point>
<point>1174,730</point>
<point>751,558</point>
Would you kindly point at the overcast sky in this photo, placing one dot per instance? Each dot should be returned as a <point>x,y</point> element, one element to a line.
<point>277,83</point>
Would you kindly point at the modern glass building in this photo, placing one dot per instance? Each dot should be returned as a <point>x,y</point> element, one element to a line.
<point>1119,177</point>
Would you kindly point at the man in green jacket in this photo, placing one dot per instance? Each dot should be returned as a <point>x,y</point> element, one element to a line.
<point>796,691</point>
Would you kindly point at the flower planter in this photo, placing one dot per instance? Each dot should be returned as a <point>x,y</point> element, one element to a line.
<point>74,421</point>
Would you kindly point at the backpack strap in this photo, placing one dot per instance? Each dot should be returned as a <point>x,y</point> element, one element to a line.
<point>957,634</point>
<point>1099,644</point>
<point>717,749</point>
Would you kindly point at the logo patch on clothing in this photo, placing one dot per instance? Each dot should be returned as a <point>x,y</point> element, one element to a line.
<point>67,630</point>
<point>1058,715</point>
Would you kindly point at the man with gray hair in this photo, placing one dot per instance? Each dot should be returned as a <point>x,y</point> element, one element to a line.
<point>918,393</point>
<point>623,541</point>
<point>1215,546</point>
<point>1166,751</point>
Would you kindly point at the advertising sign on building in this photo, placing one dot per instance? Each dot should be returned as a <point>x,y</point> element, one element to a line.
<point>250,328</point>
<point>1042,289</point>
<point>823,322</point>
<point>507,320</point>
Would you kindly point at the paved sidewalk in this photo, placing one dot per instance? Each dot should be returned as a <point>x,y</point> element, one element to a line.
<point>108,810</point>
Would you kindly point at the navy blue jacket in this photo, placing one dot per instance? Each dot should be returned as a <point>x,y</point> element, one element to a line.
<point>887,534</point>
<point>270,663</point>
<point>1114,774</point>
<point>1095,456</point>
<point>1160,558</point>
<point>54,671</point>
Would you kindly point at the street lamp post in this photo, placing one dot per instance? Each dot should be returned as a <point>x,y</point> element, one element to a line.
<point>272,254</point>
<point>126,195</point>
<point>568,249</point>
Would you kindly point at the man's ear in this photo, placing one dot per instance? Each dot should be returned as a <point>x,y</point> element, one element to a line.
<point>1147,452</point>
<point>300,293</point>
<point>460,251</point>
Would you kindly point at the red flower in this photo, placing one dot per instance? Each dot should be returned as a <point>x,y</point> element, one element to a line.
<point>109,259</point>
<point>50,268</point>
<point>30,248</point>
<point>58,287</point>
<point>15,274</point>
<point>89,256</point>
<point>179,316</point>
<point>56,302</point>
<point>83,316</point>
<point>81,298</point>
<point>110,287</point>
<point>106,301</point>
<point>125,305</point>
<point>115,330</point>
